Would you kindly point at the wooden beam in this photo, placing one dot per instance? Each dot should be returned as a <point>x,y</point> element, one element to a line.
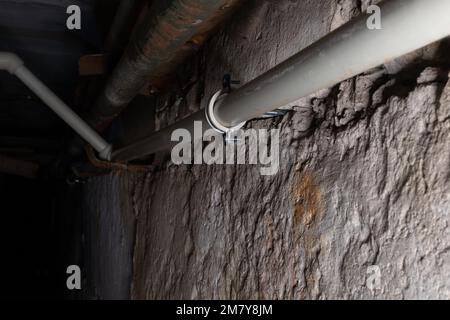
<point>18,167</point>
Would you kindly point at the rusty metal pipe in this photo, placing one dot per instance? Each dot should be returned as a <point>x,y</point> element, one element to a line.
<point>122,18</point>
<point>166,29</point>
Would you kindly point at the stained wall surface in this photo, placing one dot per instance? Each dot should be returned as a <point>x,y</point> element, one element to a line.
<point>359,208</point>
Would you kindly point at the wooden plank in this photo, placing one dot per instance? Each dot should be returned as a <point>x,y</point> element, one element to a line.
<point>18,167</point>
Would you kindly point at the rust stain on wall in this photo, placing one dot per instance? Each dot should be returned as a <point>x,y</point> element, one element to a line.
<point>307,199</point>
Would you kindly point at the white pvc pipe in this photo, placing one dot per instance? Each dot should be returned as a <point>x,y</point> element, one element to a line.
<point>13,64</point>
<point>406,25</point>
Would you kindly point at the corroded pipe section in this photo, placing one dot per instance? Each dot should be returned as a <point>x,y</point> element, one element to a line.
<point>160,40</point>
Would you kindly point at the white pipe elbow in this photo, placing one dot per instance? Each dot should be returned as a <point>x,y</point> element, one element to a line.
<point>10,62</point>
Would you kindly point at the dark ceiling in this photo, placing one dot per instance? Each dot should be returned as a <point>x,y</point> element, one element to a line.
<point>31,134</point>
<point>36,31</point>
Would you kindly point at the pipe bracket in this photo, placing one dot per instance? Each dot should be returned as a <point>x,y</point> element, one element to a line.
<point>212,120</point>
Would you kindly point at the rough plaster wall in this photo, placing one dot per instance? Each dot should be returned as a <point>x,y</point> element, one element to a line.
<point>107,239</point>
<point>364,180</point>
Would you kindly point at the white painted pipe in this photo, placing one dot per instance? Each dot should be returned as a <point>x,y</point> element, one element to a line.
<point>406,25</point>
<point>13,64</point>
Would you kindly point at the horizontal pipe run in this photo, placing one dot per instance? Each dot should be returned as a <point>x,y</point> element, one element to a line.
<point>14,65</point>
<point>156,45</point>
<point>158,141</point>
<point>407,25</point>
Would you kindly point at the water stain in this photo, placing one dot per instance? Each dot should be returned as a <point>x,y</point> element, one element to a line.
<point>307,199</point>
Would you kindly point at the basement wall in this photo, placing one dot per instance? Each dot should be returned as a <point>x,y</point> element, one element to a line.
<point>359,208</point>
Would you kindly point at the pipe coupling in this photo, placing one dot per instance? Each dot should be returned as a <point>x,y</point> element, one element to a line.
<point>10,62</point>
<point>106,153</point>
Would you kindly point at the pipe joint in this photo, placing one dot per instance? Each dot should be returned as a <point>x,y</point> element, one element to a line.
<point>10,62</point>
<point>105,154</point>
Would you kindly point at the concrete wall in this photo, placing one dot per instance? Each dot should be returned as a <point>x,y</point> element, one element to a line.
<point>363,187</point>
